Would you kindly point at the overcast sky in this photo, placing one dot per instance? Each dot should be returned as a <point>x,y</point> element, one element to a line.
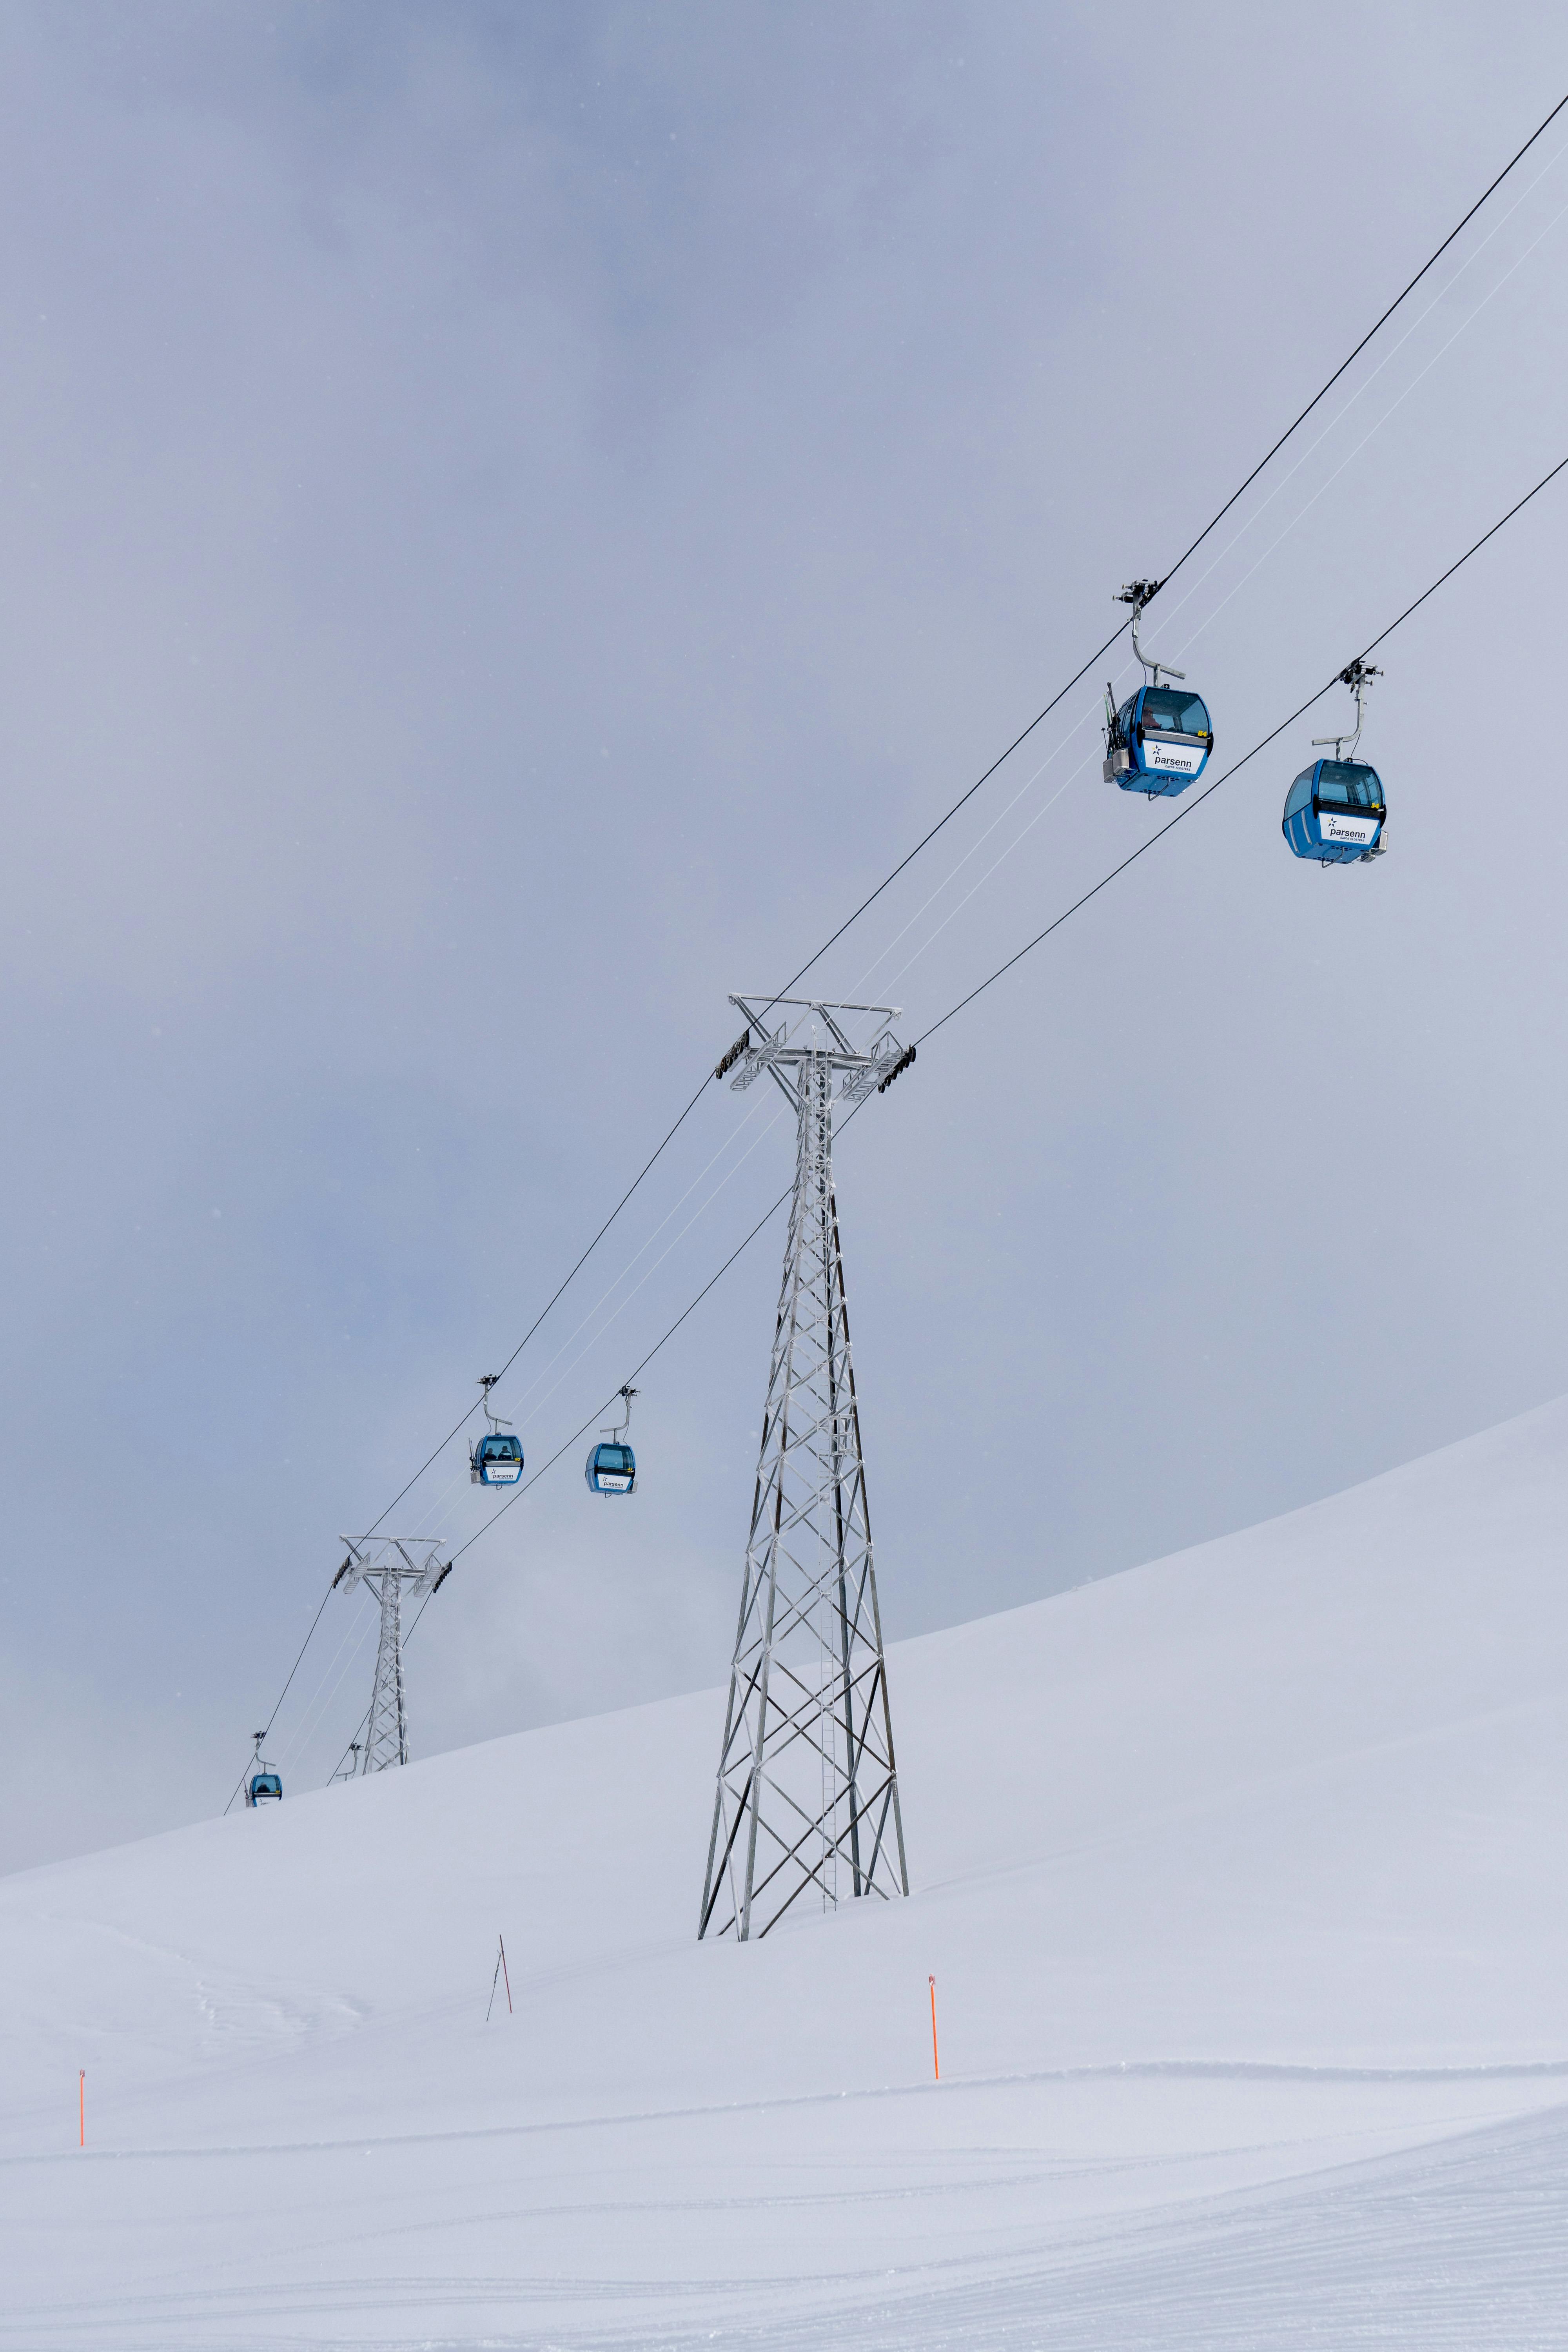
<point>514,518</point>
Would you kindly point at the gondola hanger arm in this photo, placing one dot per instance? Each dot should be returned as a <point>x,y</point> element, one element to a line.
<point>1357,675</point>
<point>1139,592</point>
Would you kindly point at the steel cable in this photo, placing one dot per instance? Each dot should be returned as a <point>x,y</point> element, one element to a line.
<point>1054,925</point>
<point>946,818</point>
<point>967,796</point>
<point>1197,802</point>
<point>971,996</point>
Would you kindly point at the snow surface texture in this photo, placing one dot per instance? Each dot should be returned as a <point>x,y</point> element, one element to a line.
<point>1242,1878</point>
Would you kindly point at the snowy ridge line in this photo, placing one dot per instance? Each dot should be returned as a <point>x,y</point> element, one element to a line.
<point>1219,2070</point>
<point>1269,2070</point>
<point>1300,2086</point>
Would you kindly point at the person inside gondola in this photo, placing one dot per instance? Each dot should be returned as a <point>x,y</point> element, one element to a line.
<point>1167,712</point>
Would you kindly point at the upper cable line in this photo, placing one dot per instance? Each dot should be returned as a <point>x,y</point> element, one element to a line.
<point>1105,879</point>
<point>969,795</point>
<point>1430,263</point>
<point>954,809</point>
<point>972,994</point>
<point>1153,588</point>
<point>1187,807</point>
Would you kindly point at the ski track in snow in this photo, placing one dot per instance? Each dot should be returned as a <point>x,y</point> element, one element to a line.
<point>1462,2245</point>
<point>1252,1984</point>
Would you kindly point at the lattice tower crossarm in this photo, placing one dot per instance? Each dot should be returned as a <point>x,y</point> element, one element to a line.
<point>807,1796</point>
<point>394,1567</point>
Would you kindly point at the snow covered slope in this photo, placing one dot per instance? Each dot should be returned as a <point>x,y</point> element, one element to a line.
<point>1244,1878</point>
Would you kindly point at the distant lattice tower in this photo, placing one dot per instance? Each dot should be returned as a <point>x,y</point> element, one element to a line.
<point>393,1567</point>
<point>807,1796</point>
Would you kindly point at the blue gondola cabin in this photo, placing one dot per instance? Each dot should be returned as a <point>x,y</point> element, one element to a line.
<point>496,1460</point>
<point>1335,813</point>
<point>1159,741</point>
<point>612,1469</point>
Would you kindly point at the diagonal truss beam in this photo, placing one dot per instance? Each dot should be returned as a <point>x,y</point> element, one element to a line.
<point>806,1798</point>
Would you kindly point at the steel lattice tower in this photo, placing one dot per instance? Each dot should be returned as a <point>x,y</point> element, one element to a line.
<point>393,1566</point>
<point>807,1796</point>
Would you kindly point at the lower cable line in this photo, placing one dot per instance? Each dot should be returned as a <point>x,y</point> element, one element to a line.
<point>965,797</point>
<point>458,1425</point>
<point>283,1694</point>
<point>579,1434</point>
<point>1261,745</point>
<point>963,1003</point>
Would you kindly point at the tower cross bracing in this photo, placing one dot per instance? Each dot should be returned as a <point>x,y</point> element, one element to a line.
<point>806,1804</point>
<point>393,1567</point>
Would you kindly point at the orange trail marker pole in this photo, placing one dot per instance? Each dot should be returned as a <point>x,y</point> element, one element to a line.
<point>81,2108</point>
<point>506,1972</point>
<point>935,2063</point>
